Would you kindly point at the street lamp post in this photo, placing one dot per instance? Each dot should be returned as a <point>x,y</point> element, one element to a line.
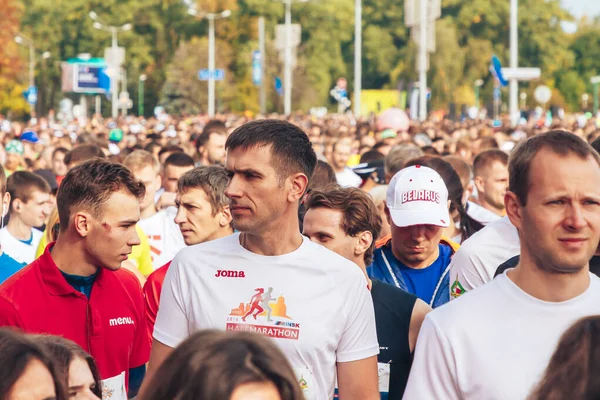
<point>142,79</point>
<point>25,41</point>
<point>211,17</point>
<point>357,56</point>
<point>114,84</point>
<point>478,85</point>
<point>287,68</point>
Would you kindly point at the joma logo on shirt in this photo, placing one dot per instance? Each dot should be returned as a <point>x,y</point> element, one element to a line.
<point>229,274</point>
<point>121,321</point>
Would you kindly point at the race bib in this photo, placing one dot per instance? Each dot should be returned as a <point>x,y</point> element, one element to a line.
<point>114,388</point>
<point>306,382</point>
<point>383,372</point>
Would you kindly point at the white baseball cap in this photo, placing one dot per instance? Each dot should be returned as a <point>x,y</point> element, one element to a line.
<point>417,195</point>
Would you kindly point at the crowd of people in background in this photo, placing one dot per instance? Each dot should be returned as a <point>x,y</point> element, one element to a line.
<point>299,258</point>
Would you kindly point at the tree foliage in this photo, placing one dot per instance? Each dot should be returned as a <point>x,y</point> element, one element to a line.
<point>169,46</point>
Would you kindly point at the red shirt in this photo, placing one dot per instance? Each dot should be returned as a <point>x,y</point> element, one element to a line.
<point>110,325</point>
<point>152,289</point>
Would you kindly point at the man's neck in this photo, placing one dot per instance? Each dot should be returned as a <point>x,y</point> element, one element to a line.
<point>221,233</point>
<point>491,208</point>
<point>274,242</point>
<point>548,286</point>
<point>338,170</point>
<point>148,212</point>
<point>70,258</point>
<point>417,264</point>
<point>19,230</point>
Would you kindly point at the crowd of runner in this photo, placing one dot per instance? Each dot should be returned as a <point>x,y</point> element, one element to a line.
<point>299,258</point>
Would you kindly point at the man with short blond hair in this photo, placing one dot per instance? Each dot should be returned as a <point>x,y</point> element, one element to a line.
<point>163,234</point>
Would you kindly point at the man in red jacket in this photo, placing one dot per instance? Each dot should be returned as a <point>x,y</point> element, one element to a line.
<point>202,215</point>
<point>77,289</point>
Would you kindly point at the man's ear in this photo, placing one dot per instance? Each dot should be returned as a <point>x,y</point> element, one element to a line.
<point>297,187</point>
<point>225,218</point>
<point>478,181</point>
<point>513,209</point>
<point>365,239</point>
<point>82,222</point>
<point>387,213</point>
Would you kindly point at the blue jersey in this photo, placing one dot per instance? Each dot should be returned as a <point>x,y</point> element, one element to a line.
<point>8,267</point>
<point>428,283</point>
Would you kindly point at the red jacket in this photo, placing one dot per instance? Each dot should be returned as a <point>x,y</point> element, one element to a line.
<point>110,326</point>
<point>152,289</point>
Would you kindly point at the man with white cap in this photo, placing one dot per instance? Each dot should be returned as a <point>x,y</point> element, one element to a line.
<point>416,258</point>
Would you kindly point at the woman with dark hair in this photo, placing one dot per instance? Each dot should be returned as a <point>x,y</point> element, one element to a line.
<point>76,369</point>
<point>459,231</point>
<point>573,369</point>
<point>226,366</point>
<point>26,370</point>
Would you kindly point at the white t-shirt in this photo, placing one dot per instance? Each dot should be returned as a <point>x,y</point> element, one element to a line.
<point>313,302</point>
<point>493,343</point>
<point>481,214</point>
<point>164,236</point>
<point>347,178</point>
<point>21,252</point>
<point>478,258</point>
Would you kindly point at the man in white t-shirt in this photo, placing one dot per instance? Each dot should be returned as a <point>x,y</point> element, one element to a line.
<point>478,258</point>
<point>164,236</point>
<point>321,314</point>
<point>340,154</point>
<point>29,207</point>
<point>495,342</point>
<point>490,175</point>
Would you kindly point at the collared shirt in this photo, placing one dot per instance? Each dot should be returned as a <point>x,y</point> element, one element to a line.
<point>110,325</point>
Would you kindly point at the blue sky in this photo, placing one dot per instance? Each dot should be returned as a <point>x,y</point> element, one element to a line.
<point>582,7</point>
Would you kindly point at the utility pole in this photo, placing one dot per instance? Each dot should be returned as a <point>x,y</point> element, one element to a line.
<point>357,56</point>
<point>263,57</point>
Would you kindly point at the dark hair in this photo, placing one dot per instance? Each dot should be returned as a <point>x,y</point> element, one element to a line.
<point>596,144</point>
<point>573,369</point>
<point>212,179</point>
<point>179,159</point>
<point>170,149</point>
<point>462,168</point>
<point>89,185</point>
<point>63,352</point>
<point>212,364</point>
<point>453,184</point>
<point>151,146</point>
<point>83,153</point>
<point>322,176</point>
<point>62,150</point>
<point>558,141</point>
<point>21,185</point>
<point>359,210</point>
<point>371,155</point>
<point>16,352</point>
<point>2,182</point>
<point>291,150</point>
<point>486,159</point>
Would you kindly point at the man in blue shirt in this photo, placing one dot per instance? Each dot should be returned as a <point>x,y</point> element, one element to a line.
<point>8,265</point>
<point>416,259</point>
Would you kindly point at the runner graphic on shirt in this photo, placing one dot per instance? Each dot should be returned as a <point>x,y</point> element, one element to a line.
<point>255,302</point>
<point>270,314</point>
<point>266,298</point>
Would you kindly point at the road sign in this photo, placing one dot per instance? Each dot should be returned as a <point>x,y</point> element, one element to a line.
<point>412,11</point>
<point>497,93</point>
<point>256,68</point>
<point>542,94</point>
<point>415,35</point>
<point>31,94</point>
<point>296,38</point>
<point>115,57</point>
<point>521,74</point>
<point>90,78</point>
<point>217,75</point>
